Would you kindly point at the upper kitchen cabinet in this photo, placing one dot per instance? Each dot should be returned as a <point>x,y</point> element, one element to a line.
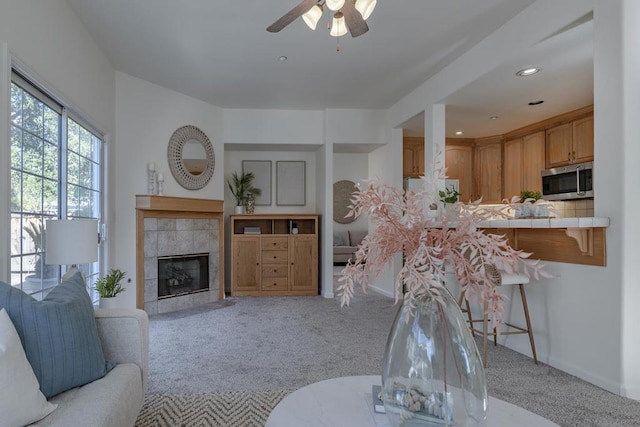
<point>570,143</point>
<point>412,156</point>
<point>524,160</point>
<point>488,170</point>
<point>459,163</point>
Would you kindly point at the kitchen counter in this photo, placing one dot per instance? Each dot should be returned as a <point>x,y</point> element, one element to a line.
<point>570,240</point>
<point>583,222</point>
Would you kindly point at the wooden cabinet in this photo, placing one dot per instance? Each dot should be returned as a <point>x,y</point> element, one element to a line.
<point>412,156</point>
<point>487,171</point>
<point>570,143</point>
<point>583,140</point>
<point>268,260</point>
<point>459,163</point>
<point>524,160</point>
<point>512,168</point>
<point>533,161</point>
<point>245,258</point>
<point>303,261</point>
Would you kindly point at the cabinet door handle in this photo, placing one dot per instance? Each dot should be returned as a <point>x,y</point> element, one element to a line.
<point>569,156</point>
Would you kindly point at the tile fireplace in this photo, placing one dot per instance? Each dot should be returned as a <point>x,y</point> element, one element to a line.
<point>179,253</point>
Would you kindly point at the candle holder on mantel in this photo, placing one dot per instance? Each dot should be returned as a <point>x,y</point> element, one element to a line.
<point>160,179</point>
<point>151,182</point>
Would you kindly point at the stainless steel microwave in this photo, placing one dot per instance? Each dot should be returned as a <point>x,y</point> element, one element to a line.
<point>568,182</point>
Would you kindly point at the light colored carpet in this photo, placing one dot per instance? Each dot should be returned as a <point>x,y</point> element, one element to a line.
<point>280,344</point>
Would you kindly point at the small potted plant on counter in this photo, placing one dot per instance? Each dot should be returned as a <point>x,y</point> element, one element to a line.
<point>108,287</point>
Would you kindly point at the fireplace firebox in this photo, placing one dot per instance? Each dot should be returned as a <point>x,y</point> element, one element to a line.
<point>182,274</point>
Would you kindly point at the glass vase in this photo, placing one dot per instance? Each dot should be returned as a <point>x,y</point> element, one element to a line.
<point>432,372</point>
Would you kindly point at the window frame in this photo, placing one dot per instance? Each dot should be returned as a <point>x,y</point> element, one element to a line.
<point>97,166</point>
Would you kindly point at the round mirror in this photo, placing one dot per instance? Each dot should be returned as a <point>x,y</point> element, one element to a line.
<point>194,157</point>
<point>191,157</point>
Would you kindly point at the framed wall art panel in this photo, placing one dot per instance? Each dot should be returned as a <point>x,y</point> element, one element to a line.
<point>290,183</point>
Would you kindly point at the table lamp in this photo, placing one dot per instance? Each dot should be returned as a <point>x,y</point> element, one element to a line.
<point>71,242</point>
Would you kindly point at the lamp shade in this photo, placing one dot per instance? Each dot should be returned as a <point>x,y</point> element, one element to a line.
<point>339,26</point>
<point>365,7</point>
<point>335,4</point>
<point>312,17</point>
<point>71,241</point>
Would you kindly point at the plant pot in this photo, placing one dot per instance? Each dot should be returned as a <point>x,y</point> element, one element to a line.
<point>432,372</point>
<point>239,209</point>
<point>111,302</point>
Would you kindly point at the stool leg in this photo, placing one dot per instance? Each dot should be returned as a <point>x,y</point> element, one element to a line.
<point>462,299</point>
<point>484,335</point>
<point>473,333</point>
<point>529,329</point>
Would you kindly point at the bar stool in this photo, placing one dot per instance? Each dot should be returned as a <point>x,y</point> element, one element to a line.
<point>510,329</point>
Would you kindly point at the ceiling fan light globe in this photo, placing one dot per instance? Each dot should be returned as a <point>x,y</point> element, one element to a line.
<point>365,7</point>
<point>312,17</point>
<point>339,26</point>
<point>334,4</point>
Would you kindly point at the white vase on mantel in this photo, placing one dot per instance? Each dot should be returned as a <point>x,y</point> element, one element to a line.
<point>239,209</point>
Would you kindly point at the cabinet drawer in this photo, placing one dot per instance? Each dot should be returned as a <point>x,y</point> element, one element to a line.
<point>275,271</point>
<point>275,284</point>
<point>275,257</point>
<point>275,243</point>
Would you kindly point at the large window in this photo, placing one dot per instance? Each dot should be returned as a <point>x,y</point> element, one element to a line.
<point>56,172</point>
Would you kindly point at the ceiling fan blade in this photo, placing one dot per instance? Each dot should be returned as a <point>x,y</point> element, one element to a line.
<point>356,25</point>
<point>292,15</point>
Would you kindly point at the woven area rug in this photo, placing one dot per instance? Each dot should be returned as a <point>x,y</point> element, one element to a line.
<point>230,409</point>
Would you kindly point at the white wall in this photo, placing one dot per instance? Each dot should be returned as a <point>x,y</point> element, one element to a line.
<point>146,117</point>
<point>246,126</point>
<point>626,17</point>
<point>581,323</point>
<point>69,64</point>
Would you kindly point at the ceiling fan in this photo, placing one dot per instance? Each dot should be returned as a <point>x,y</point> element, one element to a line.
<point>348,15</point>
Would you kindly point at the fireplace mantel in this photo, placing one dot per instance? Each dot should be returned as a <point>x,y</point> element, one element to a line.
<point>183,210</point>
<point>181,204</point>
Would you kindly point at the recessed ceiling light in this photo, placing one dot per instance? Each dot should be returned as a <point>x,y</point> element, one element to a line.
<point>536,102</point>
<point>527,72</point>
<point>459,132</point>
<point>493,118</point>
<point>282,58</point>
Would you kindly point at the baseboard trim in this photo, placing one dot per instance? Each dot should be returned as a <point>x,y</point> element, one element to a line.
<point>604,383</point>
<point>381,291</point>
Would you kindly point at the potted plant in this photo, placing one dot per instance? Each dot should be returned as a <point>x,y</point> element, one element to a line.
<point>527,199</point>
<point>449,195</point>
<point>42,271</point>
<point>241,186</point>
<point>528,196</point>
<point>108,287</point>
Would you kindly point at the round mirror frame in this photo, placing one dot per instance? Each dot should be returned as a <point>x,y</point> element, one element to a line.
<point>174,154</point>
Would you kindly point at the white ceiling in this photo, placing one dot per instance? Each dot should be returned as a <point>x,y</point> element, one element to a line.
<point>220,52</point>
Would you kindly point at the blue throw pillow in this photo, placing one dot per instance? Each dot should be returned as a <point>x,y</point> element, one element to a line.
<point>59,334</point>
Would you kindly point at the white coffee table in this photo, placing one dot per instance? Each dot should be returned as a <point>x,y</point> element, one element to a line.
<point>341,402</point>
